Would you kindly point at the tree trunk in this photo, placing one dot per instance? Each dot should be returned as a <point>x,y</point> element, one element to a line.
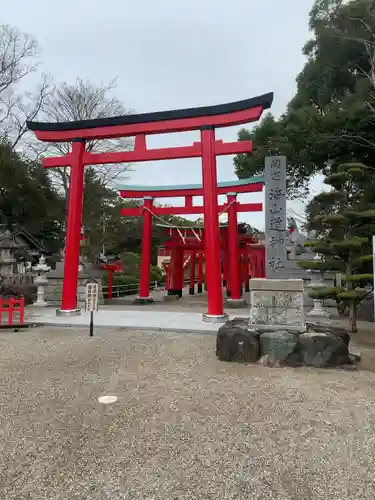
<point>353,317</point>
<point>353,303</point>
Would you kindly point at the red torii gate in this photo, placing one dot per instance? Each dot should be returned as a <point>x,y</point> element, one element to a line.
<point>250,255</point>
<point>232,208</point>
<point>205,119</point>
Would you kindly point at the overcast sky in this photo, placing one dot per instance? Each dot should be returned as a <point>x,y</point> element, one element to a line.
<point>171,54</point>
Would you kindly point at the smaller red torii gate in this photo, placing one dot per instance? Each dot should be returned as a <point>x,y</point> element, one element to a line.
<point>232,207</point>
<point>190,240</point>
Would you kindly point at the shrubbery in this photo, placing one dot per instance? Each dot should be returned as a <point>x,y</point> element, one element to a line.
<point>124,284</point>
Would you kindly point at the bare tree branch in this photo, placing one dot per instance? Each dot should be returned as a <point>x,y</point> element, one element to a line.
<point>83,101</point>
<point>18,59</point>
<point>17,56</point>
<point>27,109</point>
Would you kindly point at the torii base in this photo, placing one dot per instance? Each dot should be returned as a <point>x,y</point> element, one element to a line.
<point>211,318</point>
<point>66,312</point>
<point>173,294</point>
<point>235,303</point>
<point>143,301</point>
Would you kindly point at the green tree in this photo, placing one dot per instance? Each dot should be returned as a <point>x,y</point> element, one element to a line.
<point>28,199</point>
<point>344,225</point>
<point>331,117</point>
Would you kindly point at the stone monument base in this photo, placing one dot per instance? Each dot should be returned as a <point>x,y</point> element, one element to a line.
<point>320,346</point>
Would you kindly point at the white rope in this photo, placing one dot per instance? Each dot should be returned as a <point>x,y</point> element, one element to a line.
<point>171,226</point>
<point>196,234</point>
<point>227,207</point>
<point>181,235</point>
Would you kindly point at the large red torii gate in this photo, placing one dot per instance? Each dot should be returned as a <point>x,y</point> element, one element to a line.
<point>205,119</point>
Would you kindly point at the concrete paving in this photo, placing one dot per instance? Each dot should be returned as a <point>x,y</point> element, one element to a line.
<point>183,315</point>
<point>138,318</point>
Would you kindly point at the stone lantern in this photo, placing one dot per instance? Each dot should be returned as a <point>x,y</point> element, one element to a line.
<point>41,280</point>
<point>317,281</point>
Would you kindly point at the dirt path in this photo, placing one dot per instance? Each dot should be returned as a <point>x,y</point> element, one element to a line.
<point>185,426</point>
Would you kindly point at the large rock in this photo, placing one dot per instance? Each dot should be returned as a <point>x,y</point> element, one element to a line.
<point>236,341</point>
<point>324,348</point>
<point>330,330</point>
<point>276,346</point>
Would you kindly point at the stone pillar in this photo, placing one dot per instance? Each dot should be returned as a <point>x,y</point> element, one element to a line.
<point>275,216</point>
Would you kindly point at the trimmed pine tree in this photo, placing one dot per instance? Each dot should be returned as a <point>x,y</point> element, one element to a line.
<point>345,223</point>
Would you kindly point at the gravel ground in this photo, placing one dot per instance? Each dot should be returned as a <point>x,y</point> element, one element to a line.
<point>184,427</point>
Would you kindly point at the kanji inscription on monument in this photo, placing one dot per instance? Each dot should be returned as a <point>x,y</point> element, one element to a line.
<point>275,180</point>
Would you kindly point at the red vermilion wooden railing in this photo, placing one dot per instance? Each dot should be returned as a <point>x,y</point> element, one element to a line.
<point>12,307</point>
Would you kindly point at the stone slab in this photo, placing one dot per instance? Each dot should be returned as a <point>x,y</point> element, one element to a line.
<point>276,284</point>
<point>275,216</point>
<point>277,304</point>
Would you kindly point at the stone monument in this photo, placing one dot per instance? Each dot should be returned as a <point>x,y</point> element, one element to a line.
<point>277,304</point>
<point>275,216</point>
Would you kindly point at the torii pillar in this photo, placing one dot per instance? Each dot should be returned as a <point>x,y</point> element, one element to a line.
<point>144,288</point>
<point>200,273</point>
<point>234,254</point>
<point>69,304</point>
<point>212,249</point>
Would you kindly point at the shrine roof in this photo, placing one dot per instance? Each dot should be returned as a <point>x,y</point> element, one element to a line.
<point>264,101</point>
<point>258,179</point>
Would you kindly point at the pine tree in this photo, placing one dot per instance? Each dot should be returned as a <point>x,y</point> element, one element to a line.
<point>344,219</point>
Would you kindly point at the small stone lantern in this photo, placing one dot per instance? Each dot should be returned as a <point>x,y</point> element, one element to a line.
<point>317,281</point>
<point>41,280</point>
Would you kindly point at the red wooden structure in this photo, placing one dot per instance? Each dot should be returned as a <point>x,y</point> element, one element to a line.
<point>205,119</point>
<point>11,308</point>
<point>190,241</point>
<point>251,261</point>
<point>112,268</point>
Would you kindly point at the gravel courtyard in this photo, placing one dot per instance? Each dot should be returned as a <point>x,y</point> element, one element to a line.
<point>185,426</point>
